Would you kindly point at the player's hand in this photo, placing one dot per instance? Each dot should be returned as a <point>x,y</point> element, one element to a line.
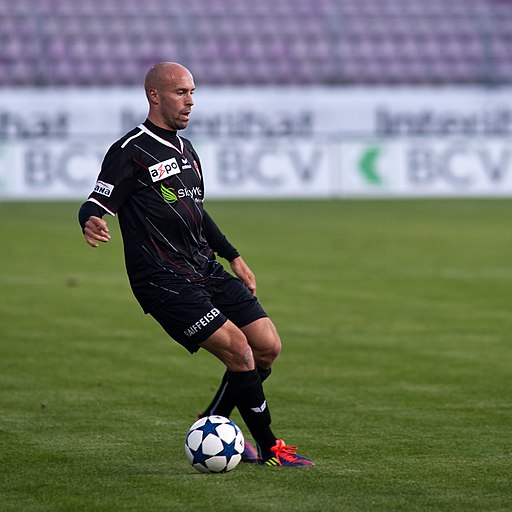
<point>96,230</point>
<point>244,273</point>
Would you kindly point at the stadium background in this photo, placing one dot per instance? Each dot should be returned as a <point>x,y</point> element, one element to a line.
<point>306,98</point>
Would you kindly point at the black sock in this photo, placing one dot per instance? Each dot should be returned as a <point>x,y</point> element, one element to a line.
<point>247,392</point>
<point>223,402</point>
<point>264,373</point>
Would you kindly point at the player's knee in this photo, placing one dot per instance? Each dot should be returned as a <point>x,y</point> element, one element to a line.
<point>230,345</point>
<point>277,347</point>
<point>265,355</point>
<point>240,357</point>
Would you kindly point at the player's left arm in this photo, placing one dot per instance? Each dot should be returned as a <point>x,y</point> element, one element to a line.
<point>221,245</point>
<point>244,273</point>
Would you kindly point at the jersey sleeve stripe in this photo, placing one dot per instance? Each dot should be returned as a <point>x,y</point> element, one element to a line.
<point>102,206</point>
<point>123,145</point>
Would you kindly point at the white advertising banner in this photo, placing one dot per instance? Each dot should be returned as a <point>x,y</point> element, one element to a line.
<point>287,168</point>
<point>266,168</point>
<point>232,168</point>
<point>26,114</point>
<point>426,167</point>
<point>49,169</point>
<point>272,142</point>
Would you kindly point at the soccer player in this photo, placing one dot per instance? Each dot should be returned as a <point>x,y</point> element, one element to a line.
<point>152,178</point>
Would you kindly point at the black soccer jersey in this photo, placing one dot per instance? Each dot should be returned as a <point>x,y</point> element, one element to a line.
<point>152,179</point>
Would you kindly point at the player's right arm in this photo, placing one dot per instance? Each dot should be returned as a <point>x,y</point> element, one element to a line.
<point>94,228</point>
<point>114,185</point>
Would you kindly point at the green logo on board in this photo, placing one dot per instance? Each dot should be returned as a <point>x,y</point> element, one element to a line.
<point>367,165</point>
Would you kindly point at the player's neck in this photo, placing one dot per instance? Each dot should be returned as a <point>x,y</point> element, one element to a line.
<point>170,135</point>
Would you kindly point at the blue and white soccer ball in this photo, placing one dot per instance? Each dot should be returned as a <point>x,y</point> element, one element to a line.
<point>214,444</point>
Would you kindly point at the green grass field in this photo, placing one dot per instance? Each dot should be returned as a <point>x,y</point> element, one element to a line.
<point>395,375</point>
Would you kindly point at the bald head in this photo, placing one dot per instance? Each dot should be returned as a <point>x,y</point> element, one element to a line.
<point>163,73</point>
<point>169,87</point>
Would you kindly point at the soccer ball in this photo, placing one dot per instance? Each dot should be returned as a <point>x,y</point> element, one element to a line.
<point>214,444</point>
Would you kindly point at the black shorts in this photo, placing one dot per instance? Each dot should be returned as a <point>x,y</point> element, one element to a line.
<point>194,314</point>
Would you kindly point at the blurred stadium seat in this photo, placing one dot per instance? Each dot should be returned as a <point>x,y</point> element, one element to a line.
<point>264,42</point>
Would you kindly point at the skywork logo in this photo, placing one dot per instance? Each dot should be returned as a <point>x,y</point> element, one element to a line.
<point>164,169</point>
<point>171,195</point>
<point>193,192</point>
<point>367,166</point>
<point>168,193</point>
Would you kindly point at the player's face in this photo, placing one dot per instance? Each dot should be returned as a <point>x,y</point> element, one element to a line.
<point>176,100</point>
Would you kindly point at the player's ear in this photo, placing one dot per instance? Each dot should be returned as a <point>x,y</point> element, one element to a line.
<point>153,96</point>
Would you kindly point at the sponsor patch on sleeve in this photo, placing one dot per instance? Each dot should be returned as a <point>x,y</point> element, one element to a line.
<point>164,169</point>
<point>105,189</point>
